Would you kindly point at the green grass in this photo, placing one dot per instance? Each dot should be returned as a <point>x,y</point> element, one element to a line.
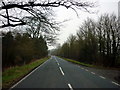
<point>77,62</point>
<point>90,65</point>
<point>13,74</point>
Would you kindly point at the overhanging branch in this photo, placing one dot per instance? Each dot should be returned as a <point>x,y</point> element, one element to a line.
<point>29,7</point>
<point>12,25</point>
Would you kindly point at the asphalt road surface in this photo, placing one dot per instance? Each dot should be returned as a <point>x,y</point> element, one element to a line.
<point>58,73</point>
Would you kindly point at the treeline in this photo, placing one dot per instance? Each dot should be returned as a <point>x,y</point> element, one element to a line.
<point>96,42</point>
<point>21,48</point>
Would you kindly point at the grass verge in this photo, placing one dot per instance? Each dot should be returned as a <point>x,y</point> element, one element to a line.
<point>77,62</point>
<point>90,65</point>
<point>14,74</point>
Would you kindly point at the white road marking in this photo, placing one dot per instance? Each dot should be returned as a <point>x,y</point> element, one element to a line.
<point>70,87</point>
<point>58,64</point>
<point>86,70</point>
<point>115,83</point>
<point>56,59</point>
<point>102,77</point>
<point>92,72</point>
<point>27,75</point>
<point>61,71</point>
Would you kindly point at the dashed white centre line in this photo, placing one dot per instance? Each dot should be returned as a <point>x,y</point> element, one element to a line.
<point>70,87</point>
<point>92,72</point>
<point>86,70</point>
<point>61,71</point>
<point>115,83</point>
<point>102,77</point>
<point>56,60</point>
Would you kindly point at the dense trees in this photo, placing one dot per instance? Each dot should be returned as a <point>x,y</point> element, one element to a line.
<point>40,29</point>
<point>8,48</point>
<point>95,42</point>
<point>19,49</point>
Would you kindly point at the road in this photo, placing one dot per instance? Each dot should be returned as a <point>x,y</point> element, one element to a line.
<point>58,73</point>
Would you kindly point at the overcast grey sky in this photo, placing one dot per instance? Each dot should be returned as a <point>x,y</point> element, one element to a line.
<point>70,27</point>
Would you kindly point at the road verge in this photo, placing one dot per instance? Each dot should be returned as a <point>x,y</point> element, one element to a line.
<point>14,74</point>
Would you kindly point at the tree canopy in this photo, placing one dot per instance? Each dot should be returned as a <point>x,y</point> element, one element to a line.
<point>96,42</point>
<point>19,49</point>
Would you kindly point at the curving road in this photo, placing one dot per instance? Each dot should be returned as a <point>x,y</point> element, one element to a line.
<point>58,73</point>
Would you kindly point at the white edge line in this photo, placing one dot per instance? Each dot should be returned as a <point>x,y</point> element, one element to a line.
<point>86,70</point>
<point>27,75</point>
<point>61,71</point>
<point>70,87</point>
<point>115,83</point>
<point>58,64</point>
<point>102,77</point>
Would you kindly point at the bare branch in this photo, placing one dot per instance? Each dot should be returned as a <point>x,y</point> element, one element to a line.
<point>12,25</point>
<point>43,5</point>
<point>7,14</point>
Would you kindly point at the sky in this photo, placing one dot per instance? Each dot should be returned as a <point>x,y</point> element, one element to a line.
<point>74,22</point>
<point>72,26</point>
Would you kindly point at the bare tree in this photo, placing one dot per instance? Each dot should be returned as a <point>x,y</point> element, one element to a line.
<point>71,41</point>
<point>108,39</point>
<point>32,7</point>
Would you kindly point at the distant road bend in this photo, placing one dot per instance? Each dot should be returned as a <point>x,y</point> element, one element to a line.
<point>58,73</point>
